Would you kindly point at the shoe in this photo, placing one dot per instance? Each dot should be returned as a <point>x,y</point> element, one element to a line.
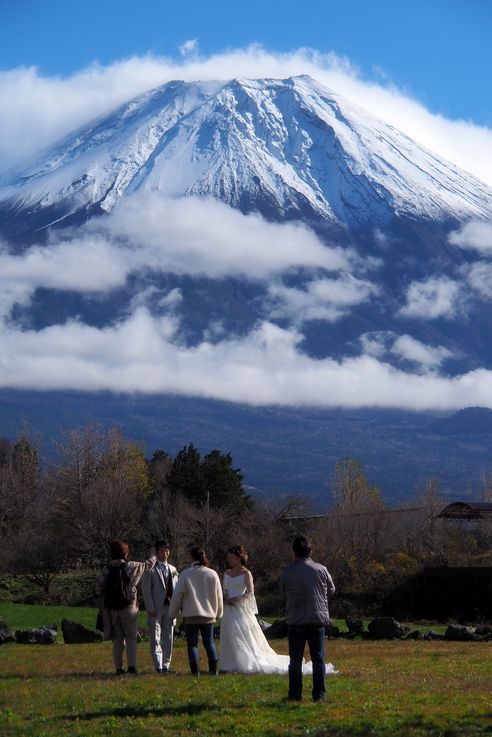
<point>165,669</point>
<point>132,670</point>
<point>319,698</point>
<point>119,671</point>
<point>292,698</point>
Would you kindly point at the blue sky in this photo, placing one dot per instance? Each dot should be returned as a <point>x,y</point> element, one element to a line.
<point>438,51</point>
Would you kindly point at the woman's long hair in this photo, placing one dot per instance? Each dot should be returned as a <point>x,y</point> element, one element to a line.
<point>198,554</point>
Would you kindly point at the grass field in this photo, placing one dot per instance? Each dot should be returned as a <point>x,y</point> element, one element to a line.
<point>384,689</point>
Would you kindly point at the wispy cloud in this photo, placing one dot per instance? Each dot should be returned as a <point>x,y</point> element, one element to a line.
<point>188,47</point>
<point>426,356</point>
<point>386,345</point>
<point>433,298</point>
<point>321,299</point>
<point>474,236</point>
<point>479,277</point>
<point>36,110</point>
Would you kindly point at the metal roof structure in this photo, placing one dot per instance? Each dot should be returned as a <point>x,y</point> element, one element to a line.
<point>467,510</point>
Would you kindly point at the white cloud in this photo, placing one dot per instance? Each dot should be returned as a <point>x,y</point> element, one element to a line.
<point>188,47</point>
<point>480,278</point>
<point>265,367</point>
<point>381,239</point>
<point>384,344</point>
<point>85,265</point>
<point>199,236</point>
<point>428,357</point>
<point>191,236</point>
<point>432,298</point>
<point>172,298</point>
<point>82,264</point>
<point>475,236</point>
<point>37,110</point>
<point>375,343</point>
<point>322,299</point>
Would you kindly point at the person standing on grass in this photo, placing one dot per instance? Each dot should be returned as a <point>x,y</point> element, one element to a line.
<point>198,597</point>
<point>117,584</point>
<point>157,587</point>
<point>307,587</point>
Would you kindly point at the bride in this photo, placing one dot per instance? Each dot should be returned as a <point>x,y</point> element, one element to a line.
<point>243,646</point>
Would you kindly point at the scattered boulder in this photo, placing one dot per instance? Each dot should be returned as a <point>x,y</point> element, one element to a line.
<point>75,633</point>
<point>45,635</point>
<point>277,630</point>
<point>460,633</point>
<point>484,631</point>
<point>414,635</point>
<point>430,635</point>
<point>354,626</point>
<point>386,628</point>
<point>6,634</point>
<point>331,630</point>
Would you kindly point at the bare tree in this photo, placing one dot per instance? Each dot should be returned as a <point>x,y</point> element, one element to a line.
<point>19,482</point>
<point>101,485</point>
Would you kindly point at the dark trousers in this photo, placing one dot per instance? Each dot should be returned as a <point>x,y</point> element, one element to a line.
<point>314,635</point>
<point>207,633</point>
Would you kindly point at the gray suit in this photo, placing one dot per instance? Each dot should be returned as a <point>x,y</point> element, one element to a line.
<point>161,627</point>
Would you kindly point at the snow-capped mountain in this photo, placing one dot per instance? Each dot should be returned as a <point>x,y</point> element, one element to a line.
<point>287,148</point>
<point>382,301</point>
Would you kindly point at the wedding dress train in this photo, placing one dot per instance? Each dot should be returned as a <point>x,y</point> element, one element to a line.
<point>243,646</point>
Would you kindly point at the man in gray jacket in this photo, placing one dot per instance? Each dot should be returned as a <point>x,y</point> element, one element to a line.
<point>307,587</point>
<point>157,588</point>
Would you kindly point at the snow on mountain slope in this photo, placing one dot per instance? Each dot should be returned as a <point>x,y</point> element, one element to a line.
<point>282,147</point>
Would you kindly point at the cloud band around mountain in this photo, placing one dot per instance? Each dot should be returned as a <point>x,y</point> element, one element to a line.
<point>142,354</point>
<point>145,352</point>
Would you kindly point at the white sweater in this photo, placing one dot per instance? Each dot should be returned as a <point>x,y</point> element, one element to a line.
<point>198,593</point>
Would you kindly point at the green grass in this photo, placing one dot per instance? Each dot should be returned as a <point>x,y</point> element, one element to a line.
<point>384,689</point>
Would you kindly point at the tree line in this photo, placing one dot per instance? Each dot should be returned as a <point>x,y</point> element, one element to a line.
<point>61,515</point>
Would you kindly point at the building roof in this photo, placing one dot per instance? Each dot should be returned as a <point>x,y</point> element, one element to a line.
<point>467,510</point>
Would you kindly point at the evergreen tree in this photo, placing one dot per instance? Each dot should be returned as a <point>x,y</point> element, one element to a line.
<point>222,484</point>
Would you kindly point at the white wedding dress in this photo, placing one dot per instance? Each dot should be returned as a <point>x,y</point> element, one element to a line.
<point>243,646</point>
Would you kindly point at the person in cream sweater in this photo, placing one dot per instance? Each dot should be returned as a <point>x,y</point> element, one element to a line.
<point>198,598</point>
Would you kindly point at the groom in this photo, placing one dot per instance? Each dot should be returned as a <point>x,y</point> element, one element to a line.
<point>157,587</point>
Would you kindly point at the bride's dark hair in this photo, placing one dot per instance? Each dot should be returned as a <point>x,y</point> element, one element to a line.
<point>241,553</point>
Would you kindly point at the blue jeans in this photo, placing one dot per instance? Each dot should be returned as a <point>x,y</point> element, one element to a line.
<point>207,633</point>
<point>314,635</point>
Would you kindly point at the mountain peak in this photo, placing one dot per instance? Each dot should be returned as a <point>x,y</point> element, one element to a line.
<point>286,148</point>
